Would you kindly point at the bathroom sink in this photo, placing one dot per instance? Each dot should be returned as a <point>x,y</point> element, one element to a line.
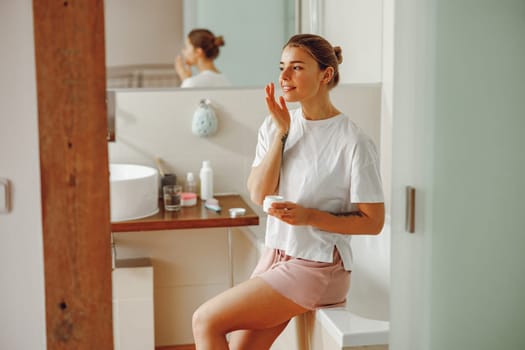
<point>133,191</point>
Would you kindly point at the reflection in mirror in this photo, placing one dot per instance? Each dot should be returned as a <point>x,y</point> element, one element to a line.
<point>144,37</point>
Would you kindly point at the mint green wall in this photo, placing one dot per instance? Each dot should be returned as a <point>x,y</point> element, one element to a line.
<point>254,34</point>
<point>478,238</point>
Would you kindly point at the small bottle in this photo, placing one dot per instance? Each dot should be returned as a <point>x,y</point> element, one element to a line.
<point>206,175</point>
<point>191,185</point>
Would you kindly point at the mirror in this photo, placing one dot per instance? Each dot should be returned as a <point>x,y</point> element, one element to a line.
<point>144,37</point>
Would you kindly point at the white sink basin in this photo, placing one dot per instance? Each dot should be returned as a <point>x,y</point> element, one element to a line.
<point>133,191</point>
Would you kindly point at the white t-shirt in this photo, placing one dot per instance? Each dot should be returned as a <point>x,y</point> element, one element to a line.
<point>328,164</point>
<point>206,78</point>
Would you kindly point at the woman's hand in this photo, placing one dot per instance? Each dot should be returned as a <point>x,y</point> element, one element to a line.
<point>264,178</point>
<point>183,71</point>
<point>290,212</point>
<point>278,110</point>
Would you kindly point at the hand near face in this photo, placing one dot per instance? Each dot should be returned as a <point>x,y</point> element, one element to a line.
<point>290,212</point>
<point>278,110</point>
<point>183,71</point>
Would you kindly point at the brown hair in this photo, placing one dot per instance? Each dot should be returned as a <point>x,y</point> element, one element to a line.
<point>321,50</point>
<point>207,41</point>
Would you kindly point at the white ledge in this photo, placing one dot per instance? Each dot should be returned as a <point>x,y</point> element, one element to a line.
<point>349,329</point>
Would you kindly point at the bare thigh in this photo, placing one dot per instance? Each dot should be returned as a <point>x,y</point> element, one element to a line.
<point>251,305</point>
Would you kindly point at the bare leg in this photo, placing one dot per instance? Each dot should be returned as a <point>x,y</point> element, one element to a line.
<point>251,305</point>
<point>255,339</point>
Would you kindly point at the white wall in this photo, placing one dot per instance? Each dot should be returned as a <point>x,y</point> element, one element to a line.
<point>22,304</point>
<point>356,26</point>
<point>387,99</point>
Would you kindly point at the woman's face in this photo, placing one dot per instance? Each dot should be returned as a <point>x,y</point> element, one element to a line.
<point>189,53</point>
<point>301,76</point>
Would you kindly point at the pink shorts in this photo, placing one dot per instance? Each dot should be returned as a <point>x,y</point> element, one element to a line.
<point>311,284</point>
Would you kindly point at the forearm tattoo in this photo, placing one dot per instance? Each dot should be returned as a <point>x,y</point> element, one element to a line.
<point>350,213</point>
<point>283,139</point>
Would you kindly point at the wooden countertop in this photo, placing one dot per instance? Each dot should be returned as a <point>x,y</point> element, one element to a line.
<point>192,217</point>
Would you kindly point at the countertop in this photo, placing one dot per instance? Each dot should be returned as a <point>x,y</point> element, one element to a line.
<point>192,217</point>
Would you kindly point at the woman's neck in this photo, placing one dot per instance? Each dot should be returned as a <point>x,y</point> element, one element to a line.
<point>203,65</point>
<point>319,108</point>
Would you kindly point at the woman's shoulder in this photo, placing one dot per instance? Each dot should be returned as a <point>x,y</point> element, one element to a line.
<point>354,132</point>
<point>206,78</point>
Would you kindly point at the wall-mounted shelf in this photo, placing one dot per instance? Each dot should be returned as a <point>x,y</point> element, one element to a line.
<point>192,217</point>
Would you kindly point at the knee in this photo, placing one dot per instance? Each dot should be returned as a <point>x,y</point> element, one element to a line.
<point>203,323</point>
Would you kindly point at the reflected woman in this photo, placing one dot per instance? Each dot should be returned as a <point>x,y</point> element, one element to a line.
<point>200,50</point>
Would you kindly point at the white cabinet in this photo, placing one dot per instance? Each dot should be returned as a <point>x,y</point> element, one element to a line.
<point>133,321</point>
<point>191,266</point>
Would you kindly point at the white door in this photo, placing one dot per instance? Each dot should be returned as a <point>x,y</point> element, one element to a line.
<point>412,144</point>
<point>459,99</point>
<point>22,300</point>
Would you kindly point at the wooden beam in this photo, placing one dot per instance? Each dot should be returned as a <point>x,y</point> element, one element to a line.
<point>70,65</point>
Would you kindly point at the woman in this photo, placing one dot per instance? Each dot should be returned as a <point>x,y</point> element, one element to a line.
<point>327,170</point>
<point>200,50</point>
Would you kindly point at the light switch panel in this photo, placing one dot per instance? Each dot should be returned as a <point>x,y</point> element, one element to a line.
<point>5,196</point>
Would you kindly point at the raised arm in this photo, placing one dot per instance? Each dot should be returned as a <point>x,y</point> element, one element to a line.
<point>264,178</point>
<point>182,70</point>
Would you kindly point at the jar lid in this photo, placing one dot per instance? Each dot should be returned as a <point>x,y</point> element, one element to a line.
<point>188,195</point>
<point>234,212</point>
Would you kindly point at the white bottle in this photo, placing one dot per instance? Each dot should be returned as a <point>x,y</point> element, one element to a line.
<point>190,185</point>
<point>206,175</point>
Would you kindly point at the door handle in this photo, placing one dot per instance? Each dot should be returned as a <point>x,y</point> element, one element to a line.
<point>410,221</point>
<point>5,196</point>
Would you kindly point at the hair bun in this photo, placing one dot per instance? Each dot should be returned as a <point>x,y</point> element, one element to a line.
<point>338,54</point>
<point>219,41</point>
